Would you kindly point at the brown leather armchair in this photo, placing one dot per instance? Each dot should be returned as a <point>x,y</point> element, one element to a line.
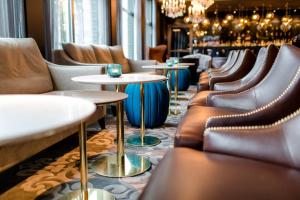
<point>258,149</point>
<point>241,67</point>
<point>263,64</point>
<point>256,162</point>
<point>190,130</point>
<point>158,53</point>
<point>206,74</point>
<point>203,83</point>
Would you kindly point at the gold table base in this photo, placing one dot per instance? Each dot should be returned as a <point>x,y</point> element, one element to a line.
<point>93,194</point>
<point>117,167</point>
<point>148,140</point>
<point>175,112</point>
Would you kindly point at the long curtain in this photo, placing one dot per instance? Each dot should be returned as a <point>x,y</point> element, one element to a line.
<point>138,30</point>
<point>12,18</point>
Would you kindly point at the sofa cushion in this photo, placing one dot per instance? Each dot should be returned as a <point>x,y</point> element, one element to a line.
<point>119,58</point>
<point>102,54</point>
<point>80,53</point>
<point>22,68</point>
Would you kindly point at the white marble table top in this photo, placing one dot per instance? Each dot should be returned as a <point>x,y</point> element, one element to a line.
<point>164,66</point>
<point>95,96</point>
<point>180,64</point>
<point>28,117</point>
<point>124,79</point>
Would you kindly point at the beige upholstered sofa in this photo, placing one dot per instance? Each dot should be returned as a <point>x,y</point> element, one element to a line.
<point>74,54</point>
<point>24,71</point>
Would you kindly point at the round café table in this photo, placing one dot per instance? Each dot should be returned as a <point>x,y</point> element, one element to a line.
<point>167,73</point>
<point>112,165</point>
<point>39,116</point>
<point>135,140</point>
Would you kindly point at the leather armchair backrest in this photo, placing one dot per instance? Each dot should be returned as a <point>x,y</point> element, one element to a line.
<point>233,59</point>
<point>22,68</point>
<point>263,64</point>
<point>269,88</point>
<point>280,75</point>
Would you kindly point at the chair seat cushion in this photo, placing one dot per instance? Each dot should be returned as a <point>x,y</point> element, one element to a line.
<point>190,174</point>
<point>190,130</point>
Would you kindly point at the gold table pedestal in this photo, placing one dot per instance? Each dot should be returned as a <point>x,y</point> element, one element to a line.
<point>85,193</point>
<point>175,111</point>
<point>121,164</point>
<point>125,166</point>
<point>93,194</point>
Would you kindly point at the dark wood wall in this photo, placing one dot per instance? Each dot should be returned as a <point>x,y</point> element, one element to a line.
<point>35,21</point>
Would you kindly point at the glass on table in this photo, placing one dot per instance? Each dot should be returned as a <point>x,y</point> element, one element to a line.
<point>114,70</point>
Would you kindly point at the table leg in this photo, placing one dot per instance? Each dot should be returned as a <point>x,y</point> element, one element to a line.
<point>141,139</point>
<point>176,111</point>
<point>85,193</point>
<point>121,164</point>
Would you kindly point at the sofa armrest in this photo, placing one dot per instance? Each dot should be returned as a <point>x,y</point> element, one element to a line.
<point>61,76</point>
<point>265,143</point>
<point>136,65</point>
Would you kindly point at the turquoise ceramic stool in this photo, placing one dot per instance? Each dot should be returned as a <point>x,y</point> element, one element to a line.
<point>156,98</point>
<point>184,79</point>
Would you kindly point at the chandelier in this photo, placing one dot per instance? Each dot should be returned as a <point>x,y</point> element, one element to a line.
<point>197,10</point>
<point>173,8</point>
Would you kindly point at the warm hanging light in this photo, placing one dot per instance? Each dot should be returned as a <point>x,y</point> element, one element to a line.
<point>197,10</point>
<point>255,17</point>
<point>173,8</point>
<point>229,17</point>
<point>216,26</point>
<point>286,20</point>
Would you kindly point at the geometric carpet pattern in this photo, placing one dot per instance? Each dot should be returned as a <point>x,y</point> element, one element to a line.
<point>54,172</point>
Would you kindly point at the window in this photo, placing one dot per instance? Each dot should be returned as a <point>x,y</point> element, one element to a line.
<point>91,22</point>
<point>150,23</point>
<point>61,22</point>
<point>127,32</point>
<point>12,23</point>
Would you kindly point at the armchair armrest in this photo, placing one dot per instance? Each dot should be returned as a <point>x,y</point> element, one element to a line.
<point>272,143</point>
<point>280,107</point>
<point>136,65</point>
<point>62,74</point>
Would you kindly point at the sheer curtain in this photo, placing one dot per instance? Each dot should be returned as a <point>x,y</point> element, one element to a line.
<point>91,17</point>
<point>127,27</point>
<point>12,22</point>
<point>92,22</point>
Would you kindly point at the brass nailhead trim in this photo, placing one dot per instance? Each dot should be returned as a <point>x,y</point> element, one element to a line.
<point>261,108</point>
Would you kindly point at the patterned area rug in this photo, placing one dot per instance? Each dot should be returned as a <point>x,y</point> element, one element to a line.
<point>54,172</point>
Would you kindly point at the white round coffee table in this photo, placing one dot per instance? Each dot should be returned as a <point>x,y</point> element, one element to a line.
<point>112,165</point>
<point>136,140</point>
<point>167,73</point>
<point>48,115</point>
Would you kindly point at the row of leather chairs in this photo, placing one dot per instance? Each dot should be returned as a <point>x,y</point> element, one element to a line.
<point>242,139</point>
